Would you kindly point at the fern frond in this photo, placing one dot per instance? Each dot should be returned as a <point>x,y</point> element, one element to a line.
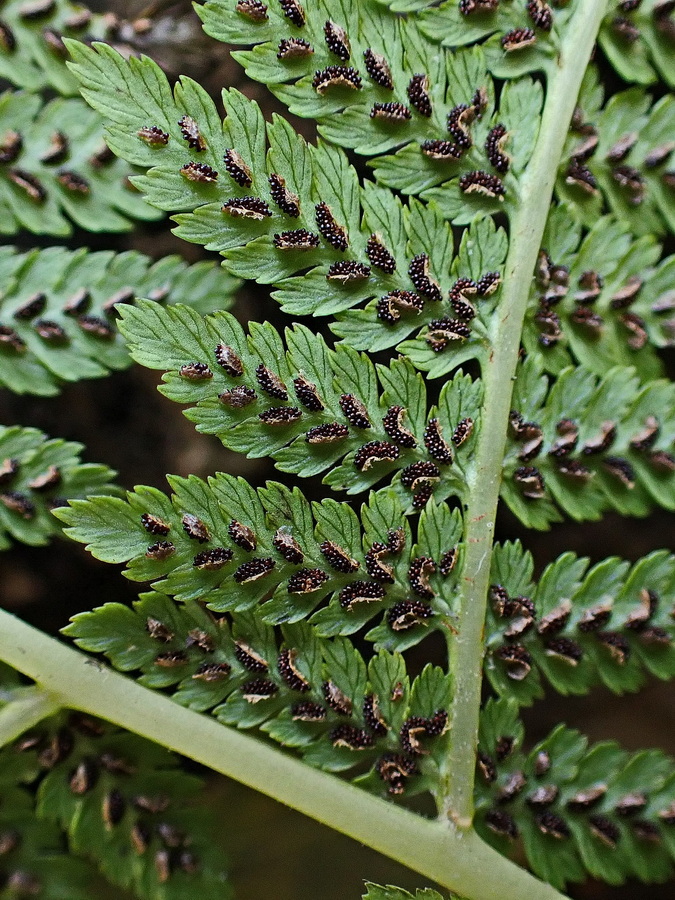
<point>586,444</point>
<point>121,803</point>
<point>500,140</point>
<point>308,407</point>
<point>398,248</point>
<point>179,138</point>
<point>577,625</point>
<point>381,52</point>
<point>32,53</point>
<point>619,157</point>
<point>576,809</point>
<point>390,105</point>
<point>315,695</point>
<point>37,475</point>
<point>57,171</point>
<point>602,299</point>
<point>637,39</point>
<point>497,26</point>
<point>234,547</point>
<point>58,309</point>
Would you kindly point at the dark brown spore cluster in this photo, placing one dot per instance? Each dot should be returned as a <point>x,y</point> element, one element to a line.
<point>247,208</point>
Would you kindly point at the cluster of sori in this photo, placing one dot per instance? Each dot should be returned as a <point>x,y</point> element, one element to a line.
<point>594,452</point>
<point>28,318</point>
<point>22,502</point>
<point>84,753</point>
<point>391,306</point>
<point>555,291</point>
<point>398,301</point>
<point>442,332</point>
<point>624,26</point>
<point>538,11</point>
<point>459,121</point>
<point>564,811</point>
<point>35,11</point>
<point>396,113</point>
<point>323,710</point>
<point>253,207</point>
<point>395,440</point>
<point>629,178</point>
<point>56,152</point>
<point>570,637</point>
<point>339,75</point>
<point>346,272</point>
<point>49,22</point>
<point>401,611</point>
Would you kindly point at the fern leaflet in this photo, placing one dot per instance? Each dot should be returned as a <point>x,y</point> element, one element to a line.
<point>311,694</point>
<point>576,809</point>
<point>57,170</point>
<point>235,212</point>
<point>234,547</point>
<point>32,52</point>
<point>312,408</point>
<point>586,444</point>
<point>37,475</point>
<point>380,892</point>
<point>620,157</point>
<point>58,310</point>
<point>602,300</point>
<point>637,39</point>
<point>119,801</point>
<point>578,625</point>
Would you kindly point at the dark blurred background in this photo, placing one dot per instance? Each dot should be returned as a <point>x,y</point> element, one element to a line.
<point>125,423</point>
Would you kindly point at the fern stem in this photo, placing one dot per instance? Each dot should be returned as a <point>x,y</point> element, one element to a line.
<point>24,709</point>
<point>458,861</point>
<point>527,228</point>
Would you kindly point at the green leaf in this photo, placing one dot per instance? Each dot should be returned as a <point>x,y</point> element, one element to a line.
<point>177,338</point>
<point>448,25</point>
<point>430,691</point>
<point>101,792</point>
<point>39,852</point>
<point>143,771</point>
<point>635,45</point>
<point>578,625</point>
<point>312,687</point>
<point>380,892</point>
<point>369,27</point>
<point>593,444</point>
<point>405,45</point>
<point>36,58</point>
<point>620,176</point>
<point>574,806</point>
<point>113,86</point>
<point>60,172</point>
<point>75,292</point>
<point>39,475</point>
<point>482,250</point>
<point>627,298</point>
<point>288,542</point>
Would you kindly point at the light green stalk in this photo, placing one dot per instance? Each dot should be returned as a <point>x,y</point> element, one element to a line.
<point>527,228</point>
